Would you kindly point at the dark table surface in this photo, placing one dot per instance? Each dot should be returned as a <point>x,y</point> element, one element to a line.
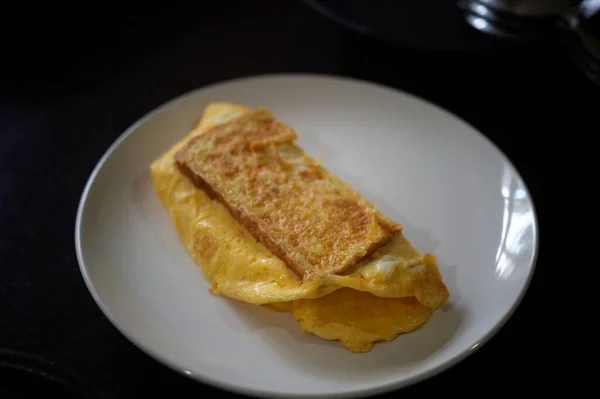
<point>71,85</point>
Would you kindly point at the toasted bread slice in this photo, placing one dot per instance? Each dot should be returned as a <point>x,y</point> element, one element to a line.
<point>316,223</point>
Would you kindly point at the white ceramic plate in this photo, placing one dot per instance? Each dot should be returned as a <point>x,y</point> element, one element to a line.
<point>456,194</point>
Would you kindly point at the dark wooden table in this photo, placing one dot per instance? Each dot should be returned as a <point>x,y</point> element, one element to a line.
<point>70,85</point>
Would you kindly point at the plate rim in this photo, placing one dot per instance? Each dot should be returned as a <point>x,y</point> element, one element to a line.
<point>265,393</point>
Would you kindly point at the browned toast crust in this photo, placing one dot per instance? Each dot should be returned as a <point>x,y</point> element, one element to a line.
<point>309,218</point>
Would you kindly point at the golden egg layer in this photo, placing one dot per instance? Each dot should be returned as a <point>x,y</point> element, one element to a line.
<point>394,292</point>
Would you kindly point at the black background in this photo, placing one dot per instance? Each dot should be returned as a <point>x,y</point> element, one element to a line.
<point>72,83</point>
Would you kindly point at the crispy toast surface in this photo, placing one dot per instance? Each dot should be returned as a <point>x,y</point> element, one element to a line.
<point>315,222</point>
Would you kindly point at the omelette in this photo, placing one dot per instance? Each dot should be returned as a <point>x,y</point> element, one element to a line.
<point>394,290</point>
